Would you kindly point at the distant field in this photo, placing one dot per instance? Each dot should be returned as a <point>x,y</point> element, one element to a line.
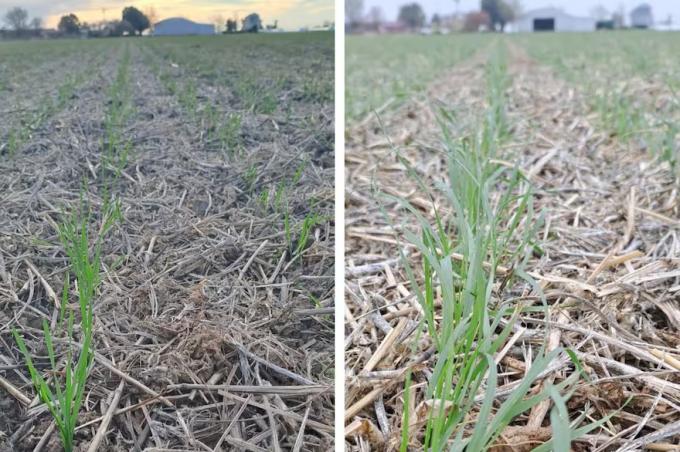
<point>616,53</point>
<point>200,170</point>
<point>631,78</point>
<point>390,69</point>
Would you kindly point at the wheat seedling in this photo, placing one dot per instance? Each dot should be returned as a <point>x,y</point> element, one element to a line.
<point>491,223</point>
<point>64,398</point>
<point>308,223</point>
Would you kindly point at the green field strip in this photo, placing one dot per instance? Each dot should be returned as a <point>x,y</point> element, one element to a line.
<point>26,122</point>
<point>384,71</point>
<point>612,69</point>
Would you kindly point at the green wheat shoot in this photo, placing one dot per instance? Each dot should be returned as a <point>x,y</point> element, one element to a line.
<point>63,392</point>
<point>490,221</point>
<point>308,223</point>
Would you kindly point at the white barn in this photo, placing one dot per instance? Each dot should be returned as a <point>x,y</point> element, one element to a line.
<point>178,26</point>
<point>552,19</point>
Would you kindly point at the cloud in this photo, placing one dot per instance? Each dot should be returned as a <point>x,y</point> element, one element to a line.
<point>291,14</point>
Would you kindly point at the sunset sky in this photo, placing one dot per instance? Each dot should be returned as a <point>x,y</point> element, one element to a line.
<point>291,14</point>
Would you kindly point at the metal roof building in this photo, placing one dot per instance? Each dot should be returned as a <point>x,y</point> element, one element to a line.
<point>552,19</point>
<point>178,26</point>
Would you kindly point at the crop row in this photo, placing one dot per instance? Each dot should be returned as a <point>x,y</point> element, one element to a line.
<point>81,231</point>
<point>26,122</point>
<point>33,110</point>
<point>222,128</point>
<point>219,106</point>
<point>492,225</point>
<point>383,72</point>
<point>265,80</point>
<point>630,80</point>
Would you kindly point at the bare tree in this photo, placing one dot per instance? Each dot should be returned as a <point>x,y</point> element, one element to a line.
<point>232,26</point>
<point>619,15</point>
<point>375,15</point>
<point>152,15</point>
<point>477,21</point>
<point>218,22</point>
<point>17,19</point>
<point>599,12</point>
<point>516,7</point>
<point>354,10</point>
<point>36,23</point>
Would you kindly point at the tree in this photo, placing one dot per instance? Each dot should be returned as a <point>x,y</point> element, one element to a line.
<point>477,20</point>
<point>252,23</point>
<point>69,24</point>
<point>617,20</point>
<point>85,28</point>
<point>120,28</point>
<point>111,28</point>
<point>508,14</point>
<point>136,18</point>
<point>218,22</point>
<point>17,19</point>
<point>412,15</point>
<point>499,12</point>
<point>600,13</point>
<point>436,20</point>
<point>619,15</point>
<point>36,23</point>
<point>231,26</point>
<point>516,7</point>
<point>375,16</point>
<point>354,11</point>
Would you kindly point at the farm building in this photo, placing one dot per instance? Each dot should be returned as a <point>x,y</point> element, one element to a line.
<point>641,16</point>
<point>552,19</point>
<point>178,26</point>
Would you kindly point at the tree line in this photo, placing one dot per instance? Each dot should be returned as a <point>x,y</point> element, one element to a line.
<point>492,14</point>
<point>17,21</point>
<point>133,21</point>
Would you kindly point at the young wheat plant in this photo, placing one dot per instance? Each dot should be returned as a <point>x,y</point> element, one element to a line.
<point>489,224</point>
<point>64,396</point>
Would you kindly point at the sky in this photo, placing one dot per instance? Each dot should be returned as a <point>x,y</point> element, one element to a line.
<point>291,14</point>
<point>660,8</point>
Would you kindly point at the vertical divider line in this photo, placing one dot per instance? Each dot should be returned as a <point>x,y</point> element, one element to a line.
<point>339,223</point>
